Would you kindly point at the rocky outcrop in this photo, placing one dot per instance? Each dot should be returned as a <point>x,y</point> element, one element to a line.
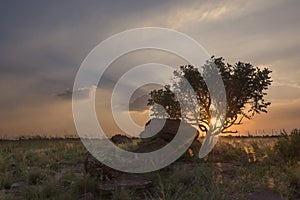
<point>160,128</point>
<point>112,179</point>
<point>160,132</point>
<point>165,131</point>
<point>151,145</point>
<point>120,139</point>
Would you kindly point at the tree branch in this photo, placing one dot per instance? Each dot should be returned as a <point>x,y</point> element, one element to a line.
<point>230,131</point>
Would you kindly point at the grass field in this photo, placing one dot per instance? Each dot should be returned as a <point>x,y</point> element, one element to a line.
<point>237,167</point>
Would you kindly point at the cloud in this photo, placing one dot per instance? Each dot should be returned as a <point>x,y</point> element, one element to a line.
<point>81,93</point>
<point>283,93</point>
<point>43,45</point>
<point>139,104</point>
<point>287,83</point>
<point>201,12</point>
<point>67,94</point>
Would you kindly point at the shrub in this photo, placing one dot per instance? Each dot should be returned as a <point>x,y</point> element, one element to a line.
<point>288,147</point>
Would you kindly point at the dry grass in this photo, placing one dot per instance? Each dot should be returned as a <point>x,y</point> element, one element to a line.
<point>53,169</point>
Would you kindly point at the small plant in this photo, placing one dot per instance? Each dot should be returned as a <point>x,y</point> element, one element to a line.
<point>5,181</point>
<point>67,179</point>
<point>32,193</point>
<point>51,190</point>
<point>85,185</point>
<point>6,196</point>
<point>35,176</point>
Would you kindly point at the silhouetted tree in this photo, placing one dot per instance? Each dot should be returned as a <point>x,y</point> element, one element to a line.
<point>245,87</point>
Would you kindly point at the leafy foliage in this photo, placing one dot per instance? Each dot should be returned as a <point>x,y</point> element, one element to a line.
<point>245,87</point>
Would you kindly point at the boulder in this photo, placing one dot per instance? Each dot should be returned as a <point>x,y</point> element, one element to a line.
<point>160,132</point>
<point>162,128</point>
<point>164,136</point>
<point>166,129</point>
<point>150,146</point>
<point>16,188</point>
<point>120,139</point>
<point>225,167</point>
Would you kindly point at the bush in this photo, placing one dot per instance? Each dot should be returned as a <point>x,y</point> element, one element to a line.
<point>288,147</point>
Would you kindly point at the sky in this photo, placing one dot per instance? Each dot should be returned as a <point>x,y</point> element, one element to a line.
<point>43,44</point>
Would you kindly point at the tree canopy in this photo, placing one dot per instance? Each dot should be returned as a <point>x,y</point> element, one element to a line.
<point>245,87</point>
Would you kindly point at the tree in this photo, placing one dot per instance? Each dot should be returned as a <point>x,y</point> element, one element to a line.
<point>245,87</point>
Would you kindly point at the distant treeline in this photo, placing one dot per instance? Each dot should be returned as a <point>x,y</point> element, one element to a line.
<point>39,137</point>
<point>281,133</point>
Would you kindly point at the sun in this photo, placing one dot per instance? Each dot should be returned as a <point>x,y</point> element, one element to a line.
<point>213,121</point>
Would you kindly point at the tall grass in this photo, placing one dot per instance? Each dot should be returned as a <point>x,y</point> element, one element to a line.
<point>288,146</point>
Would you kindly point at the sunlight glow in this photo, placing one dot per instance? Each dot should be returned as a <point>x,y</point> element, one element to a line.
<point>213,121</point>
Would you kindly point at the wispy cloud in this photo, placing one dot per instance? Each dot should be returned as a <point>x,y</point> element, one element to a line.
<point>81,93</point>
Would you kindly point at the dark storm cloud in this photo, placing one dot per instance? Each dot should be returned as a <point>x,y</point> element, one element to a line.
<point>47,41</point>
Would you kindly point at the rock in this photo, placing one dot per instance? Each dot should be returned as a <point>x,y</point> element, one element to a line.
<point>125,182</point>
<point>150,146</point>
<point>265,195</point>
<point>178,166</point>
<point>87,196</point>
<point>120,139</point>
<point>162,128</point>
<point>225,167</point>
<point>95,168</point>
<point>17,185</point>
<point>16,188</point>
<point>160,132</point>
